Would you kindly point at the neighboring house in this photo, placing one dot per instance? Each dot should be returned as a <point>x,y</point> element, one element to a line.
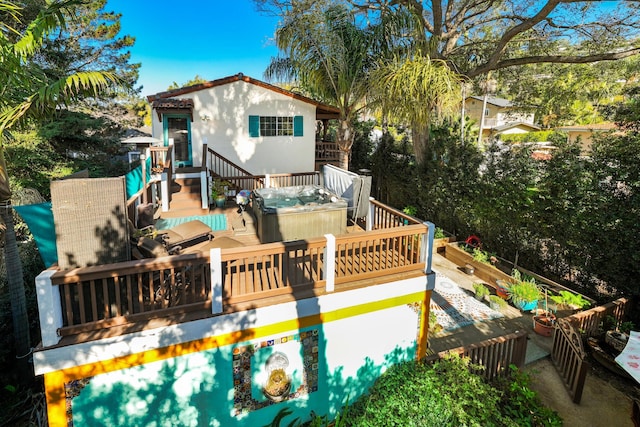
<point>584,133</point>
<point>500,116</point>
<point>258,126</point>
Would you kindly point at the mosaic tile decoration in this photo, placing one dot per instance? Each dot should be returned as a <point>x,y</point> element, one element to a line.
<point>454,308</point>
<point>243,401</point>
<point>72,389</point>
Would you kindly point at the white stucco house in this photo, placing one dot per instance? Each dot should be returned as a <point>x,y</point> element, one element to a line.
<point>258,126</point>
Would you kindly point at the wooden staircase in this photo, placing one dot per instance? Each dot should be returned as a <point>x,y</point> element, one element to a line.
<point>185,199</point>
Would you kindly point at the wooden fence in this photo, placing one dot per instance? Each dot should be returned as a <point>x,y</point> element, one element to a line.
<point>568,354</point>
<point>495,355</point>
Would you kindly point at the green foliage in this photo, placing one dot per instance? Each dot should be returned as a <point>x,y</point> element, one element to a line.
<point>363,145</point>
<point>446,393</point>
<point>570,299</point>
<point>410,210</point>
<point>522,405</point>
<point>480,290</point>
<point>219,187</point>
<point>481,256</point>
<point>32,162</point>
<point>197,79</point>
<point>626,327</point>
<point>523,289</point>
<point>539,136</point>
<point>495,299</point>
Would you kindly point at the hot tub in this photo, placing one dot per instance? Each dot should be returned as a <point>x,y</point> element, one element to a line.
<point>297,213</point>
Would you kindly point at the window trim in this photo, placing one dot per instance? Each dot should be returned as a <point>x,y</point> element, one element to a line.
<point>255,126</point>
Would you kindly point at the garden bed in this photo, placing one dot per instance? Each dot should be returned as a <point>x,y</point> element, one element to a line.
<point>486,272</point>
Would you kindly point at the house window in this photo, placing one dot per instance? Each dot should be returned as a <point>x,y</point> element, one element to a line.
<point>275,126</point>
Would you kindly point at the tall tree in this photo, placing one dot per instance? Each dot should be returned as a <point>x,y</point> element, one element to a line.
<point>418,91</point>
<point>477,36</point>
<point>328,54</point>
<point>90,40</point>
<point>27,93</point>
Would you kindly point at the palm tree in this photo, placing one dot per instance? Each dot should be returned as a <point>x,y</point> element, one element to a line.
<point>27,94</point>
<point>329,56</point>
<point>419,91</point>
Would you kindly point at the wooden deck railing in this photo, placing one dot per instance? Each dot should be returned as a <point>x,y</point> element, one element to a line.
<point>220,166</point>
<point>588,322</point>
<point>495,354</point>
<point>104,296</point>
<point>159,158</point>
<point>568,353</point>
<point>388,217</point>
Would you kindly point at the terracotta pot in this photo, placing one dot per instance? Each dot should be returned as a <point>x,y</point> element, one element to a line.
<point>544,324</point>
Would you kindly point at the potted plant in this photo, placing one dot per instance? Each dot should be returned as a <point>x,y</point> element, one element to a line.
<point>480,291</point>
<point>524,292</point>
<point>568,300</point>
<point>545,322</point>
<point>497,303</point>
<point>219,190</point>
<point>502,289</point>
<point>617,338</point>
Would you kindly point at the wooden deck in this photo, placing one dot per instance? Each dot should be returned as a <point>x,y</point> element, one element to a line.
<point>103,300</point>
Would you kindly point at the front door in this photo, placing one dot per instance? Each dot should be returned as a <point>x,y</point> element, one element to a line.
<point>178,128</point>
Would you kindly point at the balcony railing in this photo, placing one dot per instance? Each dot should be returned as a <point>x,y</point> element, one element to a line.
<point>93,298</point>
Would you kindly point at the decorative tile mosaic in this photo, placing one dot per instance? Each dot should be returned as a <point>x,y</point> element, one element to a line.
<point>72,389</point>
<point>243,358</point>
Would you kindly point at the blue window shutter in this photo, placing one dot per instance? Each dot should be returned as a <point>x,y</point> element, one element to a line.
<point>254,126</point>
<point>297,126</point>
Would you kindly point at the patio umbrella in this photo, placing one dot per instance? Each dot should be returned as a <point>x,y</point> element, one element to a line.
<point>629,358</point>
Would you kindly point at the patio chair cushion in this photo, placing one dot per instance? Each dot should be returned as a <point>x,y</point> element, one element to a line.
<point>217,242</point>
<point>186,234</point>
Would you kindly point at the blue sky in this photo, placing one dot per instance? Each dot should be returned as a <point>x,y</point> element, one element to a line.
<point>175,40</point>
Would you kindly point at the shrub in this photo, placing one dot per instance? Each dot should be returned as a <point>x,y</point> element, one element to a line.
<point>416,394</point>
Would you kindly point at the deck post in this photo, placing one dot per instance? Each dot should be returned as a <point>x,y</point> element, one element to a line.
<point>164,191</point>
<point>215,269</point>
<point>329,265</point>
<point>370,215</point>
<point>204,189</point>
<point>426,249</point>
<point>49,308</point>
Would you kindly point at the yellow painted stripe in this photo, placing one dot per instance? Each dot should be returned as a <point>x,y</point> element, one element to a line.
<point>56,402</point>
<point>54,381</point>
<point>181,349</point>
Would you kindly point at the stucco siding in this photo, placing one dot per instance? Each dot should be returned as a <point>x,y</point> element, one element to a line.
<point>221,119</point>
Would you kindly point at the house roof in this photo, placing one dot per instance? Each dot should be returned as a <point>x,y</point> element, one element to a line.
<point>586,128</point>
<point>323,111</point>
<point>506,126</point>
<point>499,102</point>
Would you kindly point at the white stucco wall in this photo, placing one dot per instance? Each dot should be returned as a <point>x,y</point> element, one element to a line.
<point>226,131</point>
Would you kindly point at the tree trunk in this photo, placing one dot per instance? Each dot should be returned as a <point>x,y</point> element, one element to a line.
<point>420,139</point>
<point>17,295</point>
<point>344,138</point>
